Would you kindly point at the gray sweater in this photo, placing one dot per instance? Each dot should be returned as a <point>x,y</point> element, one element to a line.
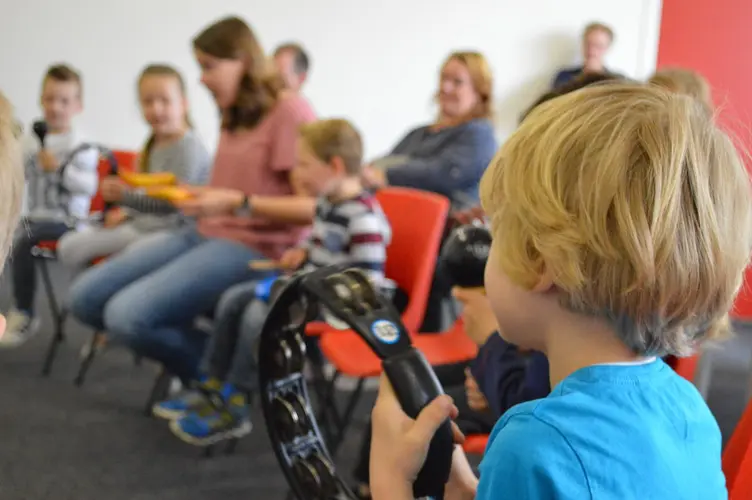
<point>449,161</point>
<point>189,160</point>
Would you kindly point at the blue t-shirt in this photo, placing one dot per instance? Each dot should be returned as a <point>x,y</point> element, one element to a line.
<point>607,432</point>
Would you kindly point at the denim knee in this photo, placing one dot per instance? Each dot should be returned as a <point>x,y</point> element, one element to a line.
<point>84,303</point>
<point>234,301</point>
<point>124,322</point>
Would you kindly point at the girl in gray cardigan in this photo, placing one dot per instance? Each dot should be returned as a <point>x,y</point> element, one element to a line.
<point>172,147</point>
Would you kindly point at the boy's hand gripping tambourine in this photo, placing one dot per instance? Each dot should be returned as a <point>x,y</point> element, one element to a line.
<point>348,295</point>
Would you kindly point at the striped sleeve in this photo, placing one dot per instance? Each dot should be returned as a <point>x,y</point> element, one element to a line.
<point>139,202</point>
<point>367,248</point>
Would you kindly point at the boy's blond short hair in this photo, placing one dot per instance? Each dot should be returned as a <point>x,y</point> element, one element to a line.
<point>684,81</point>
<point>11,178</point>
<point>636,204</point>
<point>335,137</point>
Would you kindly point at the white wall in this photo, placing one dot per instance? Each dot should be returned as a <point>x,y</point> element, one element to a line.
<point>375,62</point>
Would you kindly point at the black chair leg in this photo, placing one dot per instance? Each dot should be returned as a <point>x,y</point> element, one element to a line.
<point>327,414</point>
<point>159,390</point>
<point>57,338</point>
<point>346,418</point>
<point>45,271</point>
<point>95,344</point>
<point>58,316</point>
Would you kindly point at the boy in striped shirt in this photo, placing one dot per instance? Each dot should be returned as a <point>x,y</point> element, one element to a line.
<point>348,227</point>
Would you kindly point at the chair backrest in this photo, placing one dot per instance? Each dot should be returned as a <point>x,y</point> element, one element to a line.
<point>737,458</point>
<point>126,160</point>
<point>417,219</point>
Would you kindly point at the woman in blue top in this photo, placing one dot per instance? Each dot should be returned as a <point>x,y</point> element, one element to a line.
<point>448,156</point>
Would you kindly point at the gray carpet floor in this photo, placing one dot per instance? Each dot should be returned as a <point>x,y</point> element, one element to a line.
<point>60,442</point>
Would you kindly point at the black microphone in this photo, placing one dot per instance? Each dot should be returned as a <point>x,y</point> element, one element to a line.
<point>464,255</point>
<point>40,130</point>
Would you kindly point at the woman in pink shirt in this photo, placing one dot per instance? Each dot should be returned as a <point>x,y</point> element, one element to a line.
<point>148,296</point>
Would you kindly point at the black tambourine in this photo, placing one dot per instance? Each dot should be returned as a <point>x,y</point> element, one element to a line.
<point>301,451</point>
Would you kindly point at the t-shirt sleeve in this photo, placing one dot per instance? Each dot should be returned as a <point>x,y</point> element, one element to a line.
<point>192,162</point>
<point>529,459</point>
<point>290,115</point>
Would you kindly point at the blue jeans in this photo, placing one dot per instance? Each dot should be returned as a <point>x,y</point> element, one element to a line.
<point>148,296</point>
<point>232,352</point>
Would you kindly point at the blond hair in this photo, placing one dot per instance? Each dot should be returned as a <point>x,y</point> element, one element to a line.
<point>332,138</point>
<point>11,178</point>
<point>636,204</point>
<point>684,81</point>
<point>481,78</point>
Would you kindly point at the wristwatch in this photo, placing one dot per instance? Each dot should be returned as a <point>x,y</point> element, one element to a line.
<point>244,210</point>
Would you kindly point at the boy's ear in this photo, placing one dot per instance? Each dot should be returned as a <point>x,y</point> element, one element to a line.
<point>338,165</point>
<point>79,106</point>
<point>545,282</point>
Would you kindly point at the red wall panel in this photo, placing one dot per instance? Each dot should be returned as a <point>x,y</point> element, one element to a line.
<point>714,37</point>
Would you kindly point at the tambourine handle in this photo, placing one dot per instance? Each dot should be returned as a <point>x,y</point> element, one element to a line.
<point>415,385</point>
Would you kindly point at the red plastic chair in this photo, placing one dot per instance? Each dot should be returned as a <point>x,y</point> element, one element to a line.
<point>475,444</point>
<point>450,347</point>
<point>417,219</point>
<point>46,251</point>
<point>737,458</point>
<point>686,367</point>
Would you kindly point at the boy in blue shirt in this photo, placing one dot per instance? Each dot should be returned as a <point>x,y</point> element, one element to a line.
<point>622,225</point>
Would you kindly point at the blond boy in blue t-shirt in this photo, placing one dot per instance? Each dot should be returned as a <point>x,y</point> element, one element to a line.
<point>622,225</point>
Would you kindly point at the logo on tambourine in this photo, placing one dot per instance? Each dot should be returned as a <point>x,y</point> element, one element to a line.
<point>385,331</point>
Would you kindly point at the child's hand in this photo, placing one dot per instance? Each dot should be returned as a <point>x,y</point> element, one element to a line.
<point>207,201</point>
<point>477,315</point>
<point>47,161</point>
<point>399,444</point>
<point>373,177</point>
<point>475,398</point>
<point>114,217</point>
<point>462,483</point>
<point>112,188</point>
<point>293,258</point>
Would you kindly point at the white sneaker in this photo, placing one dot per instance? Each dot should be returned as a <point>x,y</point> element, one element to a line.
<point>19,328</point>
